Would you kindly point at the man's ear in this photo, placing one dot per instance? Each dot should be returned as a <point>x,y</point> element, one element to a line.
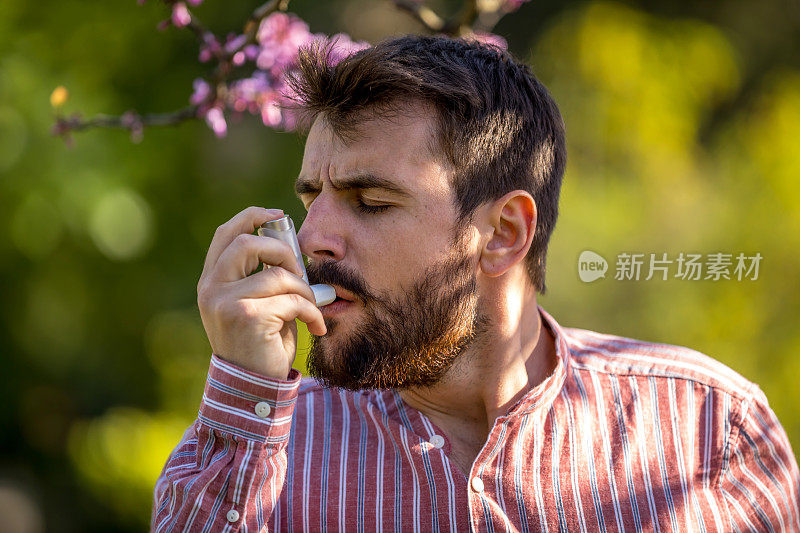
<point>512,223</point>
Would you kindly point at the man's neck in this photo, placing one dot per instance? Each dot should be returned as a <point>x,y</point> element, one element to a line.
<point>517,353</point>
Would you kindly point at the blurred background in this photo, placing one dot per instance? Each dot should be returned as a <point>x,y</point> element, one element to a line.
<point>683,121</point>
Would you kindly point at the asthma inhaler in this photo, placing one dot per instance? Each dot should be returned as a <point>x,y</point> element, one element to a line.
<point>283,230</point>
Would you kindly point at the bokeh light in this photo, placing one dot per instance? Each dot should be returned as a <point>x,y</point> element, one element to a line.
<point>121,225</point>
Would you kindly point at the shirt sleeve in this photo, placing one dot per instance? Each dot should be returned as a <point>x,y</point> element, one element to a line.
<point>230,465</point>
<point>761,484</point>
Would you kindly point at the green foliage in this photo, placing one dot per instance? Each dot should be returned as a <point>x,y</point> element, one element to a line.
<point>635,91</point>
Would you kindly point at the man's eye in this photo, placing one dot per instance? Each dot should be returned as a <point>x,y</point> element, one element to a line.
<point>371,209</point>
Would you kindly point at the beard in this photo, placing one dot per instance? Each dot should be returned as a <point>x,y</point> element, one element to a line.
<point>407,341</point>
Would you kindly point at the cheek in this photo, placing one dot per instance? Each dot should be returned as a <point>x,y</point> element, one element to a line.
<point>397,259</point>
<point>389,261</point>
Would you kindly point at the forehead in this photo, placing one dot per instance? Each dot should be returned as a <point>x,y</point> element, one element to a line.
<point>400,147</point>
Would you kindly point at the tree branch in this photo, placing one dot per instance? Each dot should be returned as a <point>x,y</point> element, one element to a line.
<point>130,120</point>
<point>425,15</point>
<point>480,15</point>
<point>135,123</point>
<point>469,13</point>
<point>485,13</point>
<point>197,27</point>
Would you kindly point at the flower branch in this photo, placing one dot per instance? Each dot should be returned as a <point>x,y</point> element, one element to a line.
<point>269,43</point>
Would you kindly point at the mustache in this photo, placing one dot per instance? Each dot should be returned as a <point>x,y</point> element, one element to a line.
<point>333,273</point>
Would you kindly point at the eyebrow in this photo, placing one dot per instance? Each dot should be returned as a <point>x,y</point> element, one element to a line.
<point>356,181</point>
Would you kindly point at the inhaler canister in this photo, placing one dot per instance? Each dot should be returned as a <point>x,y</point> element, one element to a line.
<point>283,230</point>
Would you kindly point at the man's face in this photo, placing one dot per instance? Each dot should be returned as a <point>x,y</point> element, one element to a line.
<point>381,229</point>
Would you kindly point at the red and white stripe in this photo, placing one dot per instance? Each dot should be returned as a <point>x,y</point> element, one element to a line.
<point>624,436</point>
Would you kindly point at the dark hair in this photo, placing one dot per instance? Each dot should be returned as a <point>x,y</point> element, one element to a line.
<point>496,123</point>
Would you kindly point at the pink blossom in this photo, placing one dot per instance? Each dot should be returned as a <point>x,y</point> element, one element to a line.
<point>248,53</point>
<point>264,95</point>
<point>342,45</point>
<point>216,121</point>
<point>201,91</point>
<point>249,93</point>
<point>513,5</point>
<point>209,48</point>
<point>195,2</point>
<point>180,15</point>
<point>280,35</point>
<point>251,51</point>
<point>132,121</point>
<point>286,95</point>
<point>271,113</point>
<point>234,42</point>
<point>489,38</point>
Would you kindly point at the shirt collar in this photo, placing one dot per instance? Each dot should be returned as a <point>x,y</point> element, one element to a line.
<point>542,395</point>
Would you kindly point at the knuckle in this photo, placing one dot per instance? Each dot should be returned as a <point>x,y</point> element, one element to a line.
<point>233,311</point>
<point>246,309</point>
<point>280,276</point>
<point>202,293</point>
<point>243,240</point>
<point>298,300</point>
<point>205,297</point>
<point>306,294</point>
<point>207,305</point>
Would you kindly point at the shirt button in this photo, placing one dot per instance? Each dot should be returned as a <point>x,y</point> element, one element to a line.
<point>437,441</point>
<point>477,484</point>
<point>233,515</point>
<point>263,409</point>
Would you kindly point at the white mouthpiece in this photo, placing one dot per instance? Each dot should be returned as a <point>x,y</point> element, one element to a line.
<point>323,294</point>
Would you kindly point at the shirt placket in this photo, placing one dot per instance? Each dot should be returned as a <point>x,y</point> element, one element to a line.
<point>482,487</point>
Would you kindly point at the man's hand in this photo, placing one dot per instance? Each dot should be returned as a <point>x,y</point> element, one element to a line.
<point>249,319</point>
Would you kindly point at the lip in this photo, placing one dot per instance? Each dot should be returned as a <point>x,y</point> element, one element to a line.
<point>344,295</point>
<point>337,307</point>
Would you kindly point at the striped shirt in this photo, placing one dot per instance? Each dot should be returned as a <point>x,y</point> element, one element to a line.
<point>625,435</point>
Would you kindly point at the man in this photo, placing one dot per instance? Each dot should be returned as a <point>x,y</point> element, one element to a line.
<point>446,399</point>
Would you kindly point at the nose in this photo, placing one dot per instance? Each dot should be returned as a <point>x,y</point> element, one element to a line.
<point>321,237</point>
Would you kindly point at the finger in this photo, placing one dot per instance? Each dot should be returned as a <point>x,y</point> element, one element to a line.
<point>245,221</point>
<point>270,282</point>
<point>247,252</point>
<point>288,307</point>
